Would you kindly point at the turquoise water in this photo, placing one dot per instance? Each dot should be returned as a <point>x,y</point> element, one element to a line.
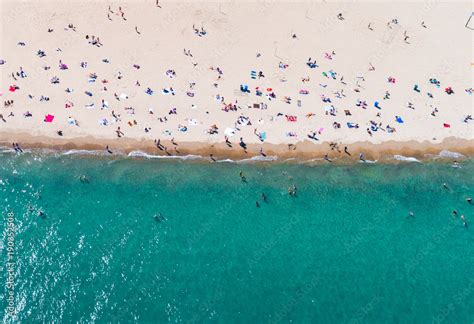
<point>342,251</point>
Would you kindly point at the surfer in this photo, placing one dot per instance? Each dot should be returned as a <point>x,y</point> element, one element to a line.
<point>445,186</point>
<point>411,214</point>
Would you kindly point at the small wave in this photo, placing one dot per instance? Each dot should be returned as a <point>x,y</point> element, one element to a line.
<point>368,161</point>
<point>449,154</point>
<point>258,158</point>
<point>7,150</point>
<point>141,154</point>
<point>405,158</point>
<point>83,152</point>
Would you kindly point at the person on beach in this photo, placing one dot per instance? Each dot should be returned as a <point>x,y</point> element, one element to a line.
<point>346,150</point>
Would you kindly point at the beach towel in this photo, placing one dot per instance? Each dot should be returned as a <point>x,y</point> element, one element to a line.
<point>229,131</point>
<point>48,118</point>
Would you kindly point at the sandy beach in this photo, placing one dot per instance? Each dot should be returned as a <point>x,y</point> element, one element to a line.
<point>238,79</point>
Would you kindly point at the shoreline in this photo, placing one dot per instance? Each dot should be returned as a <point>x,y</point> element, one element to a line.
<point>303,151</point>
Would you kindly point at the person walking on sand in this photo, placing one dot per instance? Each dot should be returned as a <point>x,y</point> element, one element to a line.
<point>346,151</point>
<point>229,144</point>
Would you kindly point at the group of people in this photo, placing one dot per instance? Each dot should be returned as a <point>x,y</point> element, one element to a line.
<point>331,83</point>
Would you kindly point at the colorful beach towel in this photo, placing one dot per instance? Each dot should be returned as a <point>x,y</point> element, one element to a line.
<point>48,118</point>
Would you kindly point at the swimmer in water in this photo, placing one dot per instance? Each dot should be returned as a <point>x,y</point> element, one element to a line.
<point>242,177</point>
<point>464,222</point>
<point>84,179</point>
<point>159,218</point>
<point>411,214</point>
<point>264,197</point>
<point>469,200</point>
<point>41,214</point>
<point>455,213</point>
<point>292,190</point>
<point>257,204</point>
<point>445,186</point>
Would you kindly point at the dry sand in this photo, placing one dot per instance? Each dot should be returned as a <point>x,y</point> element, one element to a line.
<point>236,33</point>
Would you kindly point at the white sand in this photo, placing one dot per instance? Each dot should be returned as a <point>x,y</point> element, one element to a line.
<point>236,32</point>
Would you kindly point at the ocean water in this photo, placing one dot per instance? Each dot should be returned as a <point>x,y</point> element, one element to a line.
<point>342,251</point>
